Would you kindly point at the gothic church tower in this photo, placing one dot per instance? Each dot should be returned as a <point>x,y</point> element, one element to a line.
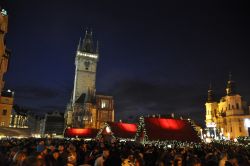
<point>85,69</point>
<point>84,83</point>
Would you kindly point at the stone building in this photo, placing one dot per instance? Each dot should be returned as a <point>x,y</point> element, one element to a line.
<point>19,118</point>
<point>86,108</point>
<point>52,125</point>
<point>6,104</point>
<point>4,52</point>
<point>34,124</point>
<point>230,116</point>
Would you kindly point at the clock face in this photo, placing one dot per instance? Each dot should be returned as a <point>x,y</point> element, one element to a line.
<point>87,64</point>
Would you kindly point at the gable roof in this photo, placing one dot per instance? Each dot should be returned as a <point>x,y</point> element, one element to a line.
<point>81,132</point>
<point>169,129</point>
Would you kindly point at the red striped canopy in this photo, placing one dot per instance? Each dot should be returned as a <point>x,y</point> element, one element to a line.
<point>170,129</point>
<point>121,130</point>
<point>81,132</point>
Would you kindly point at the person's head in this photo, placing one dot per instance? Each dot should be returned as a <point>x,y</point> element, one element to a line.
<point>195,161</point>
<point>71,148</point>
<point>178,160</point>
<point>52,148</point>
<point>61,148</point>
<point>71,158</point>
<point>105,153</point>
<point>19,157</point>
<point>55,154</point>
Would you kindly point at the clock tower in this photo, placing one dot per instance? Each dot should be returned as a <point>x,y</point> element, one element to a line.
<point>85,69</point>
<point>86,108</point>
<point>78,113</point>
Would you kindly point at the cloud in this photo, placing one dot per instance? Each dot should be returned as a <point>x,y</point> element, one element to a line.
<point>136,97</point>
<point>36,92</point>
<point>41,99</point>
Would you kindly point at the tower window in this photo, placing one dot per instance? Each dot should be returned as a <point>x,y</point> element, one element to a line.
<point>231,129</point>
<point>240,129</point>
<point>4,112</point>
<point>229,107</point>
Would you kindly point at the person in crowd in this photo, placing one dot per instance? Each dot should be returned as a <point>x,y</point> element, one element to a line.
<point>63,154</point>
<point>53,152</point>
<point>100,160</point>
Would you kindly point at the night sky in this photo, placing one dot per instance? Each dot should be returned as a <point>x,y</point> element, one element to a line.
<point>156,57</point>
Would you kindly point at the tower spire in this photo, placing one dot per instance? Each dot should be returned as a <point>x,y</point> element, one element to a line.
<point>87,44</point>
<point>231,88</point>
<point>210,94</point>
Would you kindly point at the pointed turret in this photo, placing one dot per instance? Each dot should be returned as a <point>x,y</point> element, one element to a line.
<point>210,94</point>
<point>231,87</point>
<point>87,44</point>
<point>79,44</point>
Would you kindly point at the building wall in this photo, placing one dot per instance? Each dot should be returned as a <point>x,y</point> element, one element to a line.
<point>3,56</point>
<point>85,75</point>
<point>18,121</point>
<point>6,104</point>
<point>53,124</point>
<point>105,110</point>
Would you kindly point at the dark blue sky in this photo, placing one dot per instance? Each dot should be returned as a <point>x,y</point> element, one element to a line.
<point>155,57</point>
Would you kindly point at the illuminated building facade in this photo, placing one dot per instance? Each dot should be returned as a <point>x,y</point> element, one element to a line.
<point>230,116</point>
<point>6,104</point>
<point>18,118</point>
<point>86,109</point>
<point>4,53</point>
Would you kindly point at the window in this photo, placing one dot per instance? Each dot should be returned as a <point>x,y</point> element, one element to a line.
<point>104,103</point>
<point>2,123</point>
<point>237,106</point>
<point>231,129</point>
<point>4,112</point>
<point>232,106</point>
<point>240,129</point>
<point>229,107</point>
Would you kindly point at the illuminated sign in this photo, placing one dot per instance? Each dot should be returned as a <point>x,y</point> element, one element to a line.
<point>4,12</point>
<point>87,55</point>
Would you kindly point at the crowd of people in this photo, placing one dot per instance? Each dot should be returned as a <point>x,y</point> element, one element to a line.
<point>63,152</point>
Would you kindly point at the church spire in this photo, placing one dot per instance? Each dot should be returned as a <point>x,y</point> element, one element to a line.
<point>210,94</point>
<point>231,88</point>
<point>87,44</point>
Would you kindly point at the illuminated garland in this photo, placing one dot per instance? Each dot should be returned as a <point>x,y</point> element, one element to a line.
<point>141,127</point>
